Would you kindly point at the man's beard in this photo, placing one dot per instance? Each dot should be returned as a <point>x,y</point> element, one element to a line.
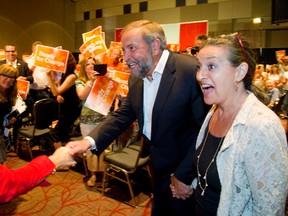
<point>143,67</point>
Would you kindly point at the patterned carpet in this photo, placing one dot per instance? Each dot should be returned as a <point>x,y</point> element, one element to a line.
<point>65,193</point>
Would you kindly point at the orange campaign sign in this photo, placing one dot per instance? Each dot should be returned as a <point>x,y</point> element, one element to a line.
<point>174,47</point>
<point>2,54</point>
<point>91,34</point>
<point>50,57</point>
<point>115,44</point>
<point>122,79</point>
<point>23,88</point>
<point>102,95</point>
<point>93,47</point>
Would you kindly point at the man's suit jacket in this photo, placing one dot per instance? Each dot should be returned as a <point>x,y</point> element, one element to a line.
<point>178,114</point>
<point>23,69</point>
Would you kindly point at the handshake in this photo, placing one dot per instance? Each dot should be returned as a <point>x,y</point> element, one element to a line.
<point>63,156</point>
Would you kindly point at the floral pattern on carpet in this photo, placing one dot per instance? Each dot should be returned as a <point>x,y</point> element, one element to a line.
<point>65,193</point>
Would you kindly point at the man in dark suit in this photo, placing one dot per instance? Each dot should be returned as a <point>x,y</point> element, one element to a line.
<point>165,98</point>
<point>24,73</point>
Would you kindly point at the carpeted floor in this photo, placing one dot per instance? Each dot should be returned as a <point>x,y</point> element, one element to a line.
<point>65,193</point>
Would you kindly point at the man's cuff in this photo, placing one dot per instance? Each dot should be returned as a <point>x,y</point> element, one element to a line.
<point>92,142</point>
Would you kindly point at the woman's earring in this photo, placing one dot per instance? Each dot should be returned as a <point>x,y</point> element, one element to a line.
<point>236,85</point>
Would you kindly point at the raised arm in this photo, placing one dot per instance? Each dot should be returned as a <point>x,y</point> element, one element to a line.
<point>69,81</point>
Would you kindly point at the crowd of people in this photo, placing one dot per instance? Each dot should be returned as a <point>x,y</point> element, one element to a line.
<point>272,79</point>
<point>216,144</point>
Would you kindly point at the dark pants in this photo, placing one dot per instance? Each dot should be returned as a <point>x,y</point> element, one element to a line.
<point>68,115</point>
<point>164,204</point>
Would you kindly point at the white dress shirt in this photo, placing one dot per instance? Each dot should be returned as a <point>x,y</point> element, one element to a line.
<point>14,64</point>
<point>39,75</point>
<point>150,92</point>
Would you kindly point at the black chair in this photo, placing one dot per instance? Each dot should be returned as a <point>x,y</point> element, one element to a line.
<point>127,161</point>
<point>45,112</point>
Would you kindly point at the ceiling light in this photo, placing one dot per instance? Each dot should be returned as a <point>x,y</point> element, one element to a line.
<point>257,20</point>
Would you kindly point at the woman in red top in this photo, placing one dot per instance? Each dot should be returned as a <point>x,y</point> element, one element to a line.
<point>21,180</point>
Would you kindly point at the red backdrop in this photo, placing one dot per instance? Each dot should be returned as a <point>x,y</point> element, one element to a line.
<point>187,34</point>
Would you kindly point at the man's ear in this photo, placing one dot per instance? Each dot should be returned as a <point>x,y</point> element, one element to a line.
<point>155,45</point>
<point>241,71</point>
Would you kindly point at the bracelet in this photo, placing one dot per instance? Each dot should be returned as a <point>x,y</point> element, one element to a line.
<point>53,172</point>
<point>89,84</point>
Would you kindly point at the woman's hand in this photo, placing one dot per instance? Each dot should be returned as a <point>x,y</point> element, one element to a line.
<point>93,76</point>
<point>179,189</point>
<point>21,78</point>
<point>10,122</point>
<point>60,99</point>
<point>62,157</point>
<point>50,73</point>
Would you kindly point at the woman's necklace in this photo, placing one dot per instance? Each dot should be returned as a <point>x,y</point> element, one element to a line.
<point>213,158</point>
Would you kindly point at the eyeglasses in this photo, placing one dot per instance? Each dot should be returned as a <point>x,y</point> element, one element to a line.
<point>11,51</point>
<point>241,44</point>
<point>8,76</point>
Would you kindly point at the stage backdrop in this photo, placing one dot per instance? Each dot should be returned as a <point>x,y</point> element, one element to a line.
<point>179,33</point>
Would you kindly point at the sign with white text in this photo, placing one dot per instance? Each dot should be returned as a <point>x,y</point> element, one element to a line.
<point>122,79</point>
<point>50,57</point>
<point>91,34</point>
<point>102,95</point>
<point>93,47</point>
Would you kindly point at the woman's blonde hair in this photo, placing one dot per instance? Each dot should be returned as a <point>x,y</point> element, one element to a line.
<point>82,73</point>
<point>11,93</point>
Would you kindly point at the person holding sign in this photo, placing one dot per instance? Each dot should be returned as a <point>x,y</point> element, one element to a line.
<point>113,60</point>
<point>39,89</point>
<point>69,102</point>
<point>89,119</point>
<point>165,98</point>
<point>23,73</point>
<point>8,96</point>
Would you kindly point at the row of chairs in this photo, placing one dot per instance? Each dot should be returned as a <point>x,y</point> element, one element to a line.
<point>125,160</point>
